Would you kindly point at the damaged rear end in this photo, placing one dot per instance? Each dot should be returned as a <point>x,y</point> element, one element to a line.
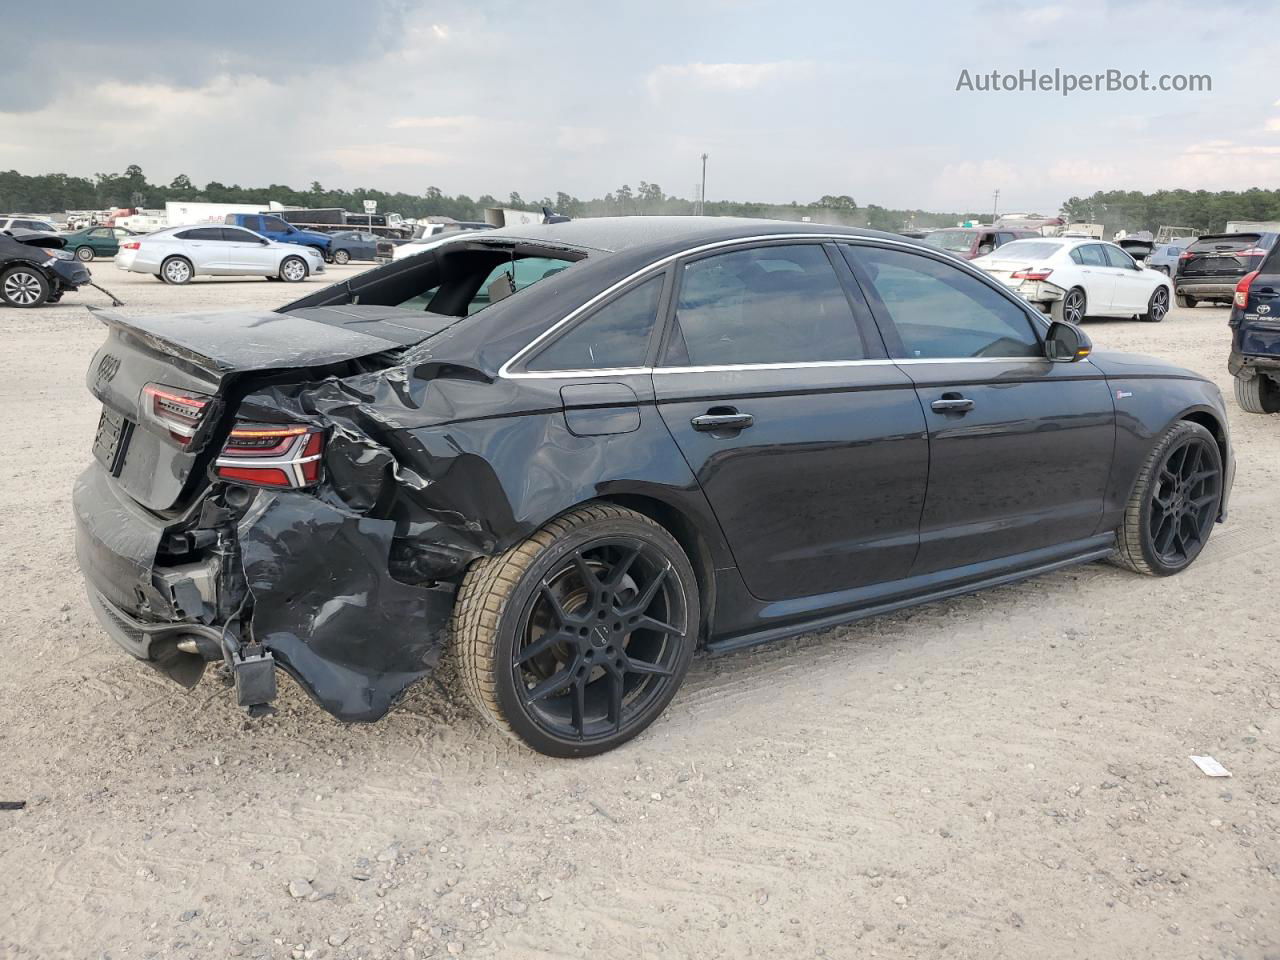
<point>236,509</point>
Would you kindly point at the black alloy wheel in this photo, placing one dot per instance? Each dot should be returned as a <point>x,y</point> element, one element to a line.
<point>1073,306</point>
<point>575,640</point>
<point>1174,504</point>
<point>600,639</point>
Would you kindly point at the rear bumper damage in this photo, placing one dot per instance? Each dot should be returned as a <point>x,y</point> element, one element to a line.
<point>290,581</point>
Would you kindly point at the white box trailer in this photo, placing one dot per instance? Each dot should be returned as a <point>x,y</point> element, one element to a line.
<point>179,213</point>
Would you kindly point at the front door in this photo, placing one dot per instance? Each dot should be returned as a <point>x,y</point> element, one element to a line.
<point>808,443</point>
<point>1019,446</point>
<point>1099,277</point>
<point>1133,289</point>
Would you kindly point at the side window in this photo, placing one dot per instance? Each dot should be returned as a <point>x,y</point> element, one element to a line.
<point>275,225</point>
<point>201,233</point>
<point>1091,255</point>
<point>941,312</point>
<point>615,335</point>
<point>236,235</point>
<point>102,233</point>
<point>773,304</point>
<point>1003,238</point>
<point>1076,255</point>
<point>1118,258</point>
<point>251,223</point>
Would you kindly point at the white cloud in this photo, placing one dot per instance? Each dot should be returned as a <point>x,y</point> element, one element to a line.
<point>724,77</point>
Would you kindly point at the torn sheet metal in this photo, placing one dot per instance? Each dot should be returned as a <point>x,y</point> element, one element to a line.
<point>326,605</point>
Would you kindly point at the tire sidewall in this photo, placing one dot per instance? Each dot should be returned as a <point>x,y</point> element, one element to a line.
<point>1150,316</point>
<point>164,271</point>
<point>341,257</point>
<point>509,626</point>
<point>1084,305</point>
<point>45,287</point>
<point>1172,438</point>
<point>84,254</point>
<point>296,259</point>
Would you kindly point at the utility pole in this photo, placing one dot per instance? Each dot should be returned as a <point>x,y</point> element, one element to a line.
<point>995,207</point>
<point>702,194</point>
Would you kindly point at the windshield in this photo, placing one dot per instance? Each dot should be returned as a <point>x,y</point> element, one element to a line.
<point>953,241</point>
<point>1027,250</point>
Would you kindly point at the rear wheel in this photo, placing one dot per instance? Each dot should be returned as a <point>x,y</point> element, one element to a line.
<point>1071,308</point>
<point>1158,305</point>
<point>1185,301</point>
<point>341,256</point>
<point>1258,394</point>
<point>84,253</point>
<point>23,286</point>
<point>576,639</point>
<point>1174,503</point>
<point>176,270</point>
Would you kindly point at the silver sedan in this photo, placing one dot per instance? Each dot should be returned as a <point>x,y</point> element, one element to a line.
<point>177,254</point>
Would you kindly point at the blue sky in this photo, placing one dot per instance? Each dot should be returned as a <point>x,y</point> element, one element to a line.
<point>791,100</point>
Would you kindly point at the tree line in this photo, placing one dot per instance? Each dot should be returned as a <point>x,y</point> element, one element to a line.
<point>1204,211</point>
<point>53,192</point>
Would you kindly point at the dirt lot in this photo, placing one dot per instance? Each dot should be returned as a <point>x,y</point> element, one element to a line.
<point>1002,775</point>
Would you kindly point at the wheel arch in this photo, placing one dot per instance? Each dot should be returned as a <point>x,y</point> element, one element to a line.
<point>687,532</point>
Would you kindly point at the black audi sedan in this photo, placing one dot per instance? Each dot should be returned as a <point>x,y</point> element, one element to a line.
<point>573,454</point>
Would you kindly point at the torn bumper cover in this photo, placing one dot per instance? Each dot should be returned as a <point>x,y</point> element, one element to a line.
<point>307,581</point>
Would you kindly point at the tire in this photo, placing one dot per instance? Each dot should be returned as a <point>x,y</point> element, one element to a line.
<point>1162,268</point>
<point>177,271</point>
<point>23,286</point>
<point>1185,301</point>
<point>1174,503</point>
<point>564,663</point>
<point>1157,306</point>
<point>1072,307</point>
<point>341,257</point>
<point>84,253</point>
<point>1258,394</point>
<point>293,269</point>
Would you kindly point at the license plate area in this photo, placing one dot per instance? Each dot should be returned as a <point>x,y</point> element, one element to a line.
<point>111,440</point>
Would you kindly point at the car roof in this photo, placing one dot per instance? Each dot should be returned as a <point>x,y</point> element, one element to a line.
<point>616,234</point>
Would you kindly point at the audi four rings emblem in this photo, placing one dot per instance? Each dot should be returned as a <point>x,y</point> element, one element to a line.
<point>108,367</point>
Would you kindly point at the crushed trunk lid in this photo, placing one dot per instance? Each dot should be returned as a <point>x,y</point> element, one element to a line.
<point>203,355</point>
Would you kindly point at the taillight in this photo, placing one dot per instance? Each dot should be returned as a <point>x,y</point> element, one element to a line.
<point>1186,255</point>
<point>266,455</point>
<point>178,411</point>
<point>1242,289</point>
<point>1040,273</point>
<point>131,245</point>
<point>1252,252</point>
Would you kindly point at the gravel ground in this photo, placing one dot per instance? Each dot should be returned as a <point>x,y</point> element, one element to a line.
<point>1001,775</point>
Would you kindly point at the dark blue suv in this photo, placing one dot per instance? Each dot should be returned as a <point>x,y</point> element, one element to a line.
<point>1255,337</point>
<point>280,230</point>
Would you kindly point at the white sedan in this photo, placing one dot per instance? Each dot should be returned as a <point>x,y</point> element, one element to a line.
<point>1074,278</point>
<point>177,254</point>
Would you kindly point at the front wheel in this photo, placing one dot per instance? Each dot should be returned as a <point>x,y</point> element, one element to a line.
<point>575,640</point>
<point>1258,394</point>
<point>23,286</point>
<point>1174,503</point>
<point>84,253</point>
<point>293,270</point>
<point>1158,305</point>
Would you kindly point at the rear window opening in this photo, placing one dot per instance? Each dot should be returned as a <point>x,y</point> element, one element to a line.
<point>455,280</point>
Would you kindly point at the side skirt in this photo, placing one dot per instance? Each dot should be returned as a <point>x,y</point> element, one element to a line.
<point>755,638</point>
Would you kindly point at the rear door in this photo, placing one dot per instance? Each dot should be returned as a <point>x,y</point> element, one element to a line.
<point>1020,447</point>
<point>808,442</point>
<point>1099,277</point>
<point>203,246</point>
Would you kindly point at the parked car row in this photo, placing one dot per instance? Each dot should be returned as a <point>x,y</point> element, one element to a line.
<point>177,254</point>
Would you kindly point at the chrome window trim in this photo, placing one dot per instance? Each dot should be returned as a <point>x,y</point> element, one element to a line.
<point>505,372</point>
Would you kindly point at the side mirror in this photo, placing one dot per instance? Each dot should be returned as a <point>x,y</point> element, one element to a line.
<point>264,241</point>
<point>1066,343</point>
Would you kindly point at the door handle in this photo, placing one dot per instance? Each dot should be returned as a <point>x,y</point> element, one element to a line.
<point>952,403</point>
<point>722,418</point>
